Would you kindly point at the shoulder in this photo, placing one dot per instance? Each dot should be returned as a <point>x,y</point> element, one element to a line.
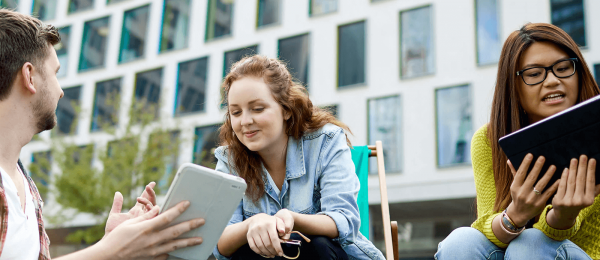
<point>480,139</point>
<point>329,131</point>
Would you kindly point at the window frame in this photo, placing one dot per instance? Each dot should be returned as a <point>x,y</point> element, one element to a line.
<point>144,51</point>
<point>401,129</point>
<point>432,35</point>
<point>366,53</point>
<point>204,110</point>
<point>437,125</point>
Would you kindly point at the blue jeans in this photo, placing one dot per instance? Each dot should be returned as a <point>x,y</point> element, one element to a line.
<point>470,243</point>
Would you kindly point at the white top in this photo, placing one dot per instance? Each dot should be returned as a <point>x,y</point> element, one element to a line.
<point>23,235</point>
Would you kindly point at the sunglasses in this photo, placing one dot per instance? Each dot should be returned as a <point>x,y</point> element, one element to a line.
<point>290,246</point>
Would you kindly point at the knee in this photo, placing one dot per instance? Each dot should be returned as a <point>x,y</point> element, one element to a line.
<point>534,244</point>
<point>465,243</point>
<point>462,237</point>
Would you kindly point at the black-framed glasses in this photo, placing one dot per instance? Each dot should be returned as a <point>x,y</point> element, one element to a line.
<point>562,69</point>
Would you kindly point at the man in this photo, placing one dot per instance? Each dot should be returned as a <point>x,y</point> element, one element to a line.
<point>29,94</point>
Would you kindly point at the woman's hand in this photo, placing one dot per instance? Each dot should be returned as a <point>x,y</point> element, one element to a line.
<point>528,200</point>
<point>288,223</point>
<point>263,235</point>
<point>576,191</point>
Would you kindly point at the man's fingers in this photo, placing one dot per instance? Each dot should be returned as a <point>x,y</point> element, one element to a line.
<point>168,216</point>
<point>175,231</point>
<point>177,244</point>
<point>145,203</point>
<point>148,215</point>
<point>150,192</point>
<point>117,203</point>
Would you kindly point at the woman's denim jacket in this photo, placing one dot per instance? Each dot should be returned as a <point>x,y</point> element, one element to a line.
<point>319,179</point>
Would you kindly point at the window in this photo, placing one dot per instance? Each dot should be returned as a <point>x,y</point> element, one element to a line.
<point>268,12</point>
<point>133,35</point>
<point>489,43</point>
<point>147,91</point>
<point>114,1</point>
<point>205,142</point>
<point>453,125</point>
<point>10,4</point>
<point>385,125</point>
<point>597,73</point>
<point>62,50</point>
<point>333,109</point>
<point>163,145</point>
<point>93,48</point>
<point>218,19</point>
<point>80,5</point>
<point>234,56</point>
<point>106,104</point>
<point>39,169</point>
<point>191,86</point>
<point>66,111</point>
<point>295,51</point>
<point>44,9</point>
<point>176,19</point>
<point>351,54</point>
<point>569,16</point>
<point>416,42</point>
<point>318,7</point>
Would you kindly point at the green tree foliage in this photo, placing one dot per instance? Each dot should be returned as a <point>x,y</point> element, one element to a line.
<point>88,176</point>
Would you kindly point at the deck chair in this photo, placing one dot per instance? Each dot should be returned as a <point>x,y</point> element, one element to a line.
<point>360,157</point>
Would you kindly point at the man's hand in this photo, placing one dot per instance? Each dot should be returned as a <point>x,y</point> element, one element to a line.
<point>144,204</point>
<point>148,237</point>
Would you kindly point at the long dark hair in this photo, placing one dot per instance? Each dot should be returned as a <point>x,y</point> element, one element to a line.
<point>291,96</point>
<point>507,113</point>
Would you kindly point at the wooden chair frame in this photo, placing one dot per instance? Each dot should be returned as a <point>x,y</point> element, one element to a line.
<point>390,228</point>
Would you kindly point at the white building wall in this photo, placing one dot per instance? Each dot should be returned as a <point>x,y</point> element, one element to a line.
<point>455,64</point>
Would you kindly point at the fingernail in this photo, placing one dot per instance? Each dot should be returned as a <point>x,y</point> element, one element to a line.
<point>199,222</point>
<point>198,241</point>
<point>186,203</point>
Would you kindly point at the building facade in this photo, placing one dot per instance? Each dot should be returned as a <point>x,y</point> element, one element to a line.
<point>417,74</point>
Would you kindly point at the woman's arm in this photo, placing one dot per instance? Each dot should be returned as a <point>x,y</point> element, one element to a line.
<point>233,237</point>
<point>316,225</point>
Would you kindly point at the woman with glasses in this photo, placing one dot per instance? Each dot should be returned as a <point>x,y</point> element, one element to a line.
<point>540,73</point>
<point>296,161</point>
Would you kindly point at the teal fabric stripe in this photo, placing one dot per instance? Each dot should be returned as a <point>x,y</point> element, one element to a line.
<point>360,157</point>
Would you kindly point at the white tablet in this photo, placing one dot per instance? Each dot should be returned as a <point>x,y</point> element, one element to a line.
<point>213,196</point>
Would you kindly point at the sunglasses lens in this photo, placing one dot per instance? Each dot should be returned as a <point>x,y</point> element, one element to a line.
<point>290,249</point>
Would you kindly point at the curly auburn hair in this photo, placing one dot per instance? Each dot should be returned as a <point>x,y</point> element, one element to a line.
<point>293,99</point>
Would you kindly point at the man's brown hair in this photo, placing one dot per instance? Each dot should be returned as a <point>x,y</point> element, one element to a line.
<point>23,38</point>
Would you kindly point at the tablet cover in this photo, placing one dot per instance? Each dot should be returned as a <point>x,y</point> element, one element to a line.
<point>213,195</point>
<point>559,138</point>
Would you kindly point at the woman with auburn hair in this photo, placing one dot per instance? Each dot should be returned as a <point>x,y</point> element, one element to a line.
<point>540,73</point>
<point>296,161</point>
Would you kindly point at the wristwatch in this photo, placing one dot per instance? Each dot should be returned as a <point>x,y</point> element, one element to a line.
<point>509,226</point>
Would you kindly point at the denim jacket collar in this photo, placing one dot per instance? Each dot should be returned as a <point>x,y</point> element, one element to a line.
<point>294,159</point>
